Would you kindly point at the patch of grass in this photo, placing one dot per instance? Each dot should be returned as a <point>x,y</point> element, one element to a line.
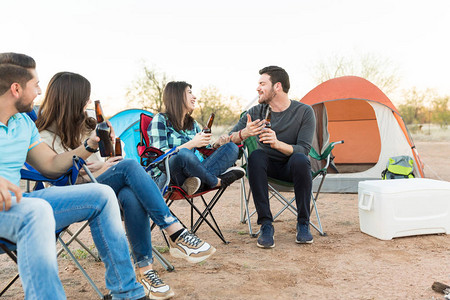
<point>78,253</point>
<point>242,232</point>
<point>163,249</point>
<point>345,223</point>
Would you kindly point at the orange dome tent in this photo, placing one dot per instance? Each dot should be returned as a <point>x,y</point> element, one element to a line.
<point>352,109</point>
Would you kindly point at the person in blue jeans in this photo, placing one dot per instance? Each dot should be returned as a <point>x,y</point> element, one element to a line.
<point>176,128</point>
<point>29,223</point>
<point>21,223</point>
<point>64,124</point>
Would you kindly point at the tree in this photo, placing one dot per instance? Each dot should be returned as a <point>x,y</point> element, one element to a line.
<point>440,113</point>
<point>380,71</point>
<point>210,100</point>
<point>413,110</point>
<point>146,92</point>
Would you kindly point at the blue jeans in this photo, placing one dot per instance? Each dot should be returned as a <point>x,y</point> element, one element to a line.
<point>97,203</point>
<point>31,225</point>
<point>185,164</point>
<point>296,169</point>
<point>139,198</point>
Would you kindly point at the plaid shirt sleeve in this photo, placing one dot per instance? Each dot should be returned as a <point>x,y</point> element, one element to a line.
<point>197,128</point>
<point>158,132</point>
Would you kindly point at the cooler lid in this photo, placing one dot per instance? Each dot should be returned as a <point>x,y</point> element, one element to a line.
<point>403,185</point>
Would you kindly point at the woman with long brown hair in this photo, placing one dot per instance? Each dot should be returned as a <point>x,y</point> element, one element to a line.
<point>176,128</point>
<point>64,125</point>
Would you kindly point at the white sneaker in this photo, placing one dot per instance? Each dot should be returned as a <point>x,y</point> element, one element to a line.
<point>190,247</point>
<point>154,287</point>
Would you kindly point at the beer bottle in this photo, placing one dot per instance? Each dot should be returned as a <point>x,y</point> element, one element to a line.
<point>268,117</point>
<point>207,129</point>
<point>103,132</point>
<point>118,147</point>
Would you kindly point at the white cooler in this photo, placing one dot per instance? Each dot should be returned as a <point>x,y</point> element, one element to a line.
<point>403,207</point>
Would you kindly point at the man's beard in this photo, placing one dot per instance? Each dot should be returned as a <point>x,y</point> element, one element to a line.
<point>23,108</point>
<point>269,98</point>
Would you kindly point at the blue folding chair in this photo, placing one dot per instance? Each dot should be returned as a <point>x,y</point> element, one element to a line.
<point>69,177</point>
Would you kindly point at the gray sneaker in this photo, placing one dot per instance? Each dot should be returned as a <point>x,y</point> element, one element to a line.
<point>265,239</point>
<point>191,185</point>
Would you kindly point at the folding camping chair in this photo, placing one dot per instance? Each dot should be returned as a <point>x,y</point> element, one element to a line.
<point>151,157</point>
<point>277,186</point>
<point>69,177</point>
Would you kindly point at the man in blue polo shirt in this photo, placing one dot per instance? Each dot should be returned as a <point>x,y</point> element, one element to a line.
<point>30,220</point>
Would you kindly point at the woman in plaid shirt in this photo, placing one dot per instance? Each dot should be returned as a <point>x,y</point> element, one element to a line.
<point>176,128</point>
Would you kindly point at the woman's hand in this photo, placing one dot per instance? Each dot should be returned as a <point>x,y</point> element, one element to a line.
<point>111,161</point>
<point>98,167</point>
<point>222,141</point>
<point>94,166</point>
<point>112,135</point>
<point>201,139</point>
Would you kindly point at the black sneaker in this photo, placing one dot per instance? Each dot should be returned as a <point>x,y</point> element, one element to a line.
<point>304,236</point>
<point>231,175</point>
<point>265,239</point>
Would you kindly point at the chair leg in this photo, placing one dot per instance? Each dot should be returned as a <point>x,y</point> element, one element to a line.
<point>162,260</point>
<point>10,283</point>
<point>319,224</point>
<point>314,206</point>
<point>13,256</point>
<point>81,268</point>
<point>165,263</point>
<point>207,211</point>
<point>241,201</point>
<point>245,211</point>
<point>74,236</point>
<point>202,217</point>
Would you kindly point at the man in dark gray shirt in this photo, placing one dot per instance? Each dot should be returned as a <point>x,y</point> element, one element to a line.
<point>282,150</point>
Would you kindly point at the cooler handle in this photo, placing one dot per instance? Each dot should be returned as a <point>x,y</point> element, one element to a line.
<point>368,204</point>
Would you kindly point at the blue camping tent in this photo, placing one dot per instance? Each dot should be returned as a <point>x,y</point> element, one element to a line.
<point>126,126</point>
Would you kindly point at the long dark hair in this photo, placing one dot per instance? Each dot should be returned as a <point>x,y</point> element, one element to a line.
<point>62,110</point>
<point>174,98</point>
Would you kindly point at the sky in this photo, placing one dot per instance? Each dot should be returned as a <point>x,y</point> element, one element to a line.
<point>225,43</point>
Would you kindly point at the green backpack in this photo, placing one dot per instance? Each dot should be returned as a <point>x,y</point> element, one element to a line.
<point>399,167</point>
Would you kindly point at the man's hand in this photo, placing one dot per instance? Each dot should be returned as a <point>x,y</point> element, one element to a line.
<point>268,136</point>
<point>254,127</point>
<point>5,195</point>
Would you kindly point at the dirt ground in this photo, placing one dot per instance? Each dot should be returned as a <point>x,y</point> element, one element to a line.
<point>345,264</point>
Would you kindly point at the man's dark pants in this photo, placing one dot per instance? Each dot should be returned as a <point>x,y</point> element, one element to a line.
<point>296,169</point>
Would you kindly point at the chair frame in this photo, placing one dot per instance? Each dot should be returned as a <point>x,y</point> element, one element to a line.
<point>275,187</point>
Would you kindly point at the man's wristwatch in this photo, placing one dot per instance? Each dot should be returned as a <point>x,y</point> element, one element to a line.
<point>86,146</point>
